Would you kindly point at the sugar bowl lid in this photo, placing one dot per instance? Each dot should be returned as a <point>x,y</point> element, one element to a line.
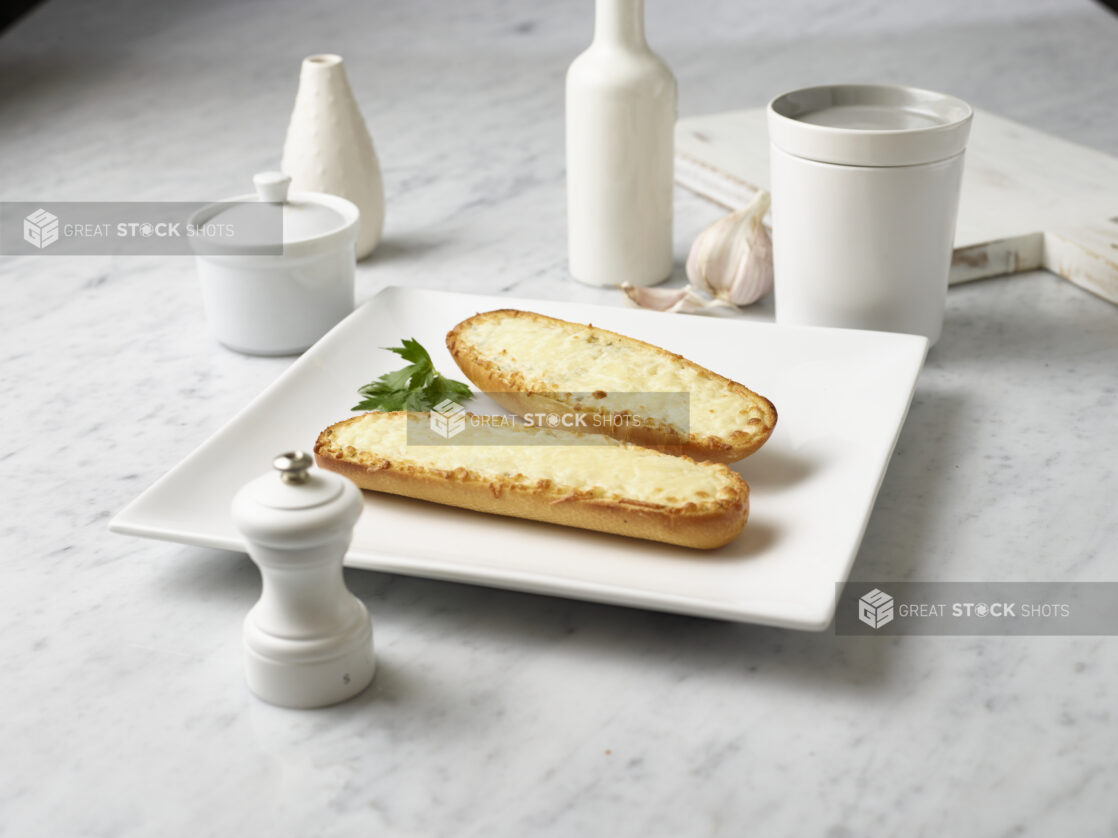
<point>276,221</point>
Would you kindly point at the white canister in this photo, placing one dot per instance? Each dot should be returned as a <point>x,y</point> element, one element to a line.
<point>279,303</point>
<point>865,192</point>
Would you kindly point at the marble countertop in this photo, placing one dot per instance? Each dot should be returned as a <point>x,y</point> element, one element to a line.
<point>122,707</point>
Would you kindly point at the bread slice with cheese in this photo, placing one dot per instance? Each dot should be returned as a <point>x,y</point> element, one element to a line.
<point>532,364</point>
<point>560,477</point>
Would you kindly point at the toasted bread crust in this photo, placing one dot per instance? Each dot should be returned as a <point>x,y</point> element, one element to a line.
<point>514,393</point>
<point>704,524</point>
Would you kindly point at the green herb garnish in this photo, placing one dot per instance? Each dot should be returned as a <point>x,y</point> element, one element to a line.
<point>414,387</point>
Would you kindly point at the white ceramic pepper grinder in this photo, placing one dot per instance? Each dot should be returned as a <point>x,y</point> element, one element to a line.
<point>308,640</point>
<point>621,113</point>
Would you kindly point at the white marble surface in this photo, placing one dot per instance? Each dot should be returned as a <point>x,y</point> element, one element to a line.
<point>122,709</point>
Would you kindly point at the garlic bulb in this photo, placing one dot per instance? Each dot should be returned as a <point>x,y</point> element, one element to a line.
<point>732,259</point>
<point>730,265</point>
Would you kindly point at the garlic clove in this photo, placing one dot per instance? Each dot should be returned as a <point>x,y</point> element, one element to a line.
<point>732,258</point>
<point>682,300</point>
<point>705,253</point>
<point>755,280</point>
<point>659,299</point>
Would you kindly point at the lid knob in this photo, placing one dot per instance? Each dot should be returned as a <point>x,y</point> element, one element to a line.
<point>271,187</point>
<point>293,466</point>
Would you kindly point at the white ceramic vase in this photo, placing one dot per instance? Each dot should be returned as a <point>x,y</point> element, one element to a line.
<point>329,149</point>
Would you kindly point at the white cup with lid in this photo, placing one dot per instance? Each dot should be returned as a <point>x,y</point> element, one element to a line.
<point>272,293</point>
<point>865,192</point>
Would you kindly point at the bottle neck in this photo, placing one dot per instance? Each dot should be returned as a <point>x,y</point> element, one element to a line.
<point>619,22</point>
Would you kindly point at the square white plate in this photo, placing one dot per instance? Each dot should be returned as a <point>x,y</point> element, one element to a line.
<point>841,396</point>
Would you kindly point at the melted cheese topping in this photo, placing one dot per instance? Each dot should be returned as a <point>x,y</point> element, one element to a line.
<point>596,464</point>
<point>572,358</point>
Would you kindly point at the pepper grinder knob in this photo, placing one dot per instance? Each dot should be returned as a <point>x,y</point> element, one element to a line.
<point>293,466</point>
<point>308,641</point>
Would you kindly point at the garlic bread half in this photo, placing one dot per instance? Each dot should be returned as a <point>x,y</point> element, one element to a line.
<point>533,364</point>
<point>558,477</point>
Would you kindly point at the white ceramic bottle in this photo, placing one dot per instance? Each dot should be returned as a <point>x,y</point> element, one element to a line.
<point>621,112</point>
<point>329,149</point>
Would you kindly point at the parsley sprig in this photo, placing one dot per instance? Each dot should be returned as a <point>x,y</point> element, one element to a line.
<point>418,386</point>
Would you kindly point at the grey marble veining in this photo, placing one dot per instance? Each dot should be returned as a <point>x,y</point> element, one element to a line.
<point>122,706</point>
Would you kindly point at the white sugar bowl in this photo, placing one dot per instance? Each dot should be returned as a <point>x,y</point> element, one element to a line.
<point>287,275</point>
